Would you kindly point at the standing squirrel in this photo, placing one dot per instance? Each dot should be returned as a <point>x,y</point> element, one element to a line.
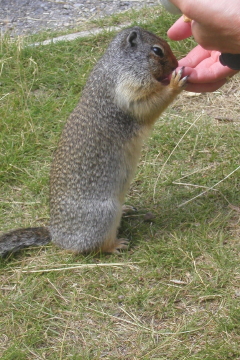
<point>100,145</point>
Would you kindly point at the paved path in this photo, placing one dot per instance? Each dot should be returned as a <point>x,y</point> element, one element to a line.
<point>20,17</point>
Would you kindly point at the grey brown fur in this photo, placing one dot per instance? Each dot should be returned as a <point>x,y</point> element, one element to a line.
<point>100,145</point>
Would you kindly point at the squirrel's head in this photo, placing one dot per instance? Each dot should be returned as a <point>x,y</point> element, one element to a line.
<point>134,70</point>
<point>143,55</point>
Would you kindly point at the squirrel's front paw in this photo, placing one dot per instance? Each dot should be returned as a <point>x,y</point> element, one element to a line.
<point>177,82</point>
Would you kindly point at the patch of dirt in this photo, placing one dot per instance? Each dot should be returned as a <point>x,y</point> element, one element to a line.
<point>221,105</point>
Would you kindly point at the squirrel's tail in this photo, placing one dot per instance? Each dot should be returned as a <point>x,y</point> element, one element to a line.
<point>16,240</point>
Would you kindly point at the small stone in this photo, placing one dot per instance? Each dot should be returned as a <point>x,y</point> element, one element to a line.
<point>237,293</point>
<point>149,217</point>
<point>78,5</point>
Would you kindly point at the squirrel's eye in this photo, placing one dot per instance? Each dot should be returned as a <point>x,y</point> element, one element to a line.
<point>158,51</point>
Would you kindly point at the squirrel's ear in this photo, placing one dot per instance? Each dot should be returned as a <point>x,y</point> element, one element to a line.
<point>132,38</point>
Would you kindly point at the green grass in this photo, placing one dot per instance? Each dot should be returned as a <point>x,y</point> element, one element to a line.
<point>175,294</point>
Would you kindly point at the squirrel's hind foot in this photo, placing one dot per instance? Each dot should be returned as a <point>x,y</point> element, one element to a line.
<point>121,244</point>
<point>116,247</point>
<point>128,209</point>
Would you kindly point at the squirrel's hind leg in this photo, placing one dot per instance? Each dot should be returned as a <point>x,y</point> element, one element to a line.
<point>93,228</point>
<point>112,244</point>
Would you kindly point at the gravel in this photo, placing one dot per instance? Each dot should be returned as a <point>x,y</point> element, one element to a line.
<point>22,17</point>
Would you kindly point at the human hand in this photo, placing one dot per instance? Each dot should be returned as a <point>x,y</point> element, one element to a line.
<point>203,67</point>
<point>206,73</point>
<point>215,25</point>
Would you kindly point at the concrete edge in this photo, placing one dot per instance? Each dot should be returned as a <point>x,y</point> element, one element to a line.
<point>80,34</point>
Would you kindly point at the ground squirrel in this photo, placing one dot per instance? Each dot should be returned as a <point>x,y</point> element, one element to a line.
<point>100,145</point>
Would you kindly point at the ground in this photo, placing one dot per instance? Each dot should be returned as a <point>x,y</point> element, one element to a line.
<point>27,17</point>
<point>174,295</point>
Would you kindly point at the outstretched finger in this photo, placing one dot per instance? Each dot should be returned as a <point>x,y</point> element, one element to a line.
<point>180,30</point>
<point>207,72</point>
<point>196,56</point>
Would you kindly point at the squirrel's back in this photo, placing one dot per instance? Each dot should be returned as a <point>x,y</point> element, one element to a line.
<point>101,142</point>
